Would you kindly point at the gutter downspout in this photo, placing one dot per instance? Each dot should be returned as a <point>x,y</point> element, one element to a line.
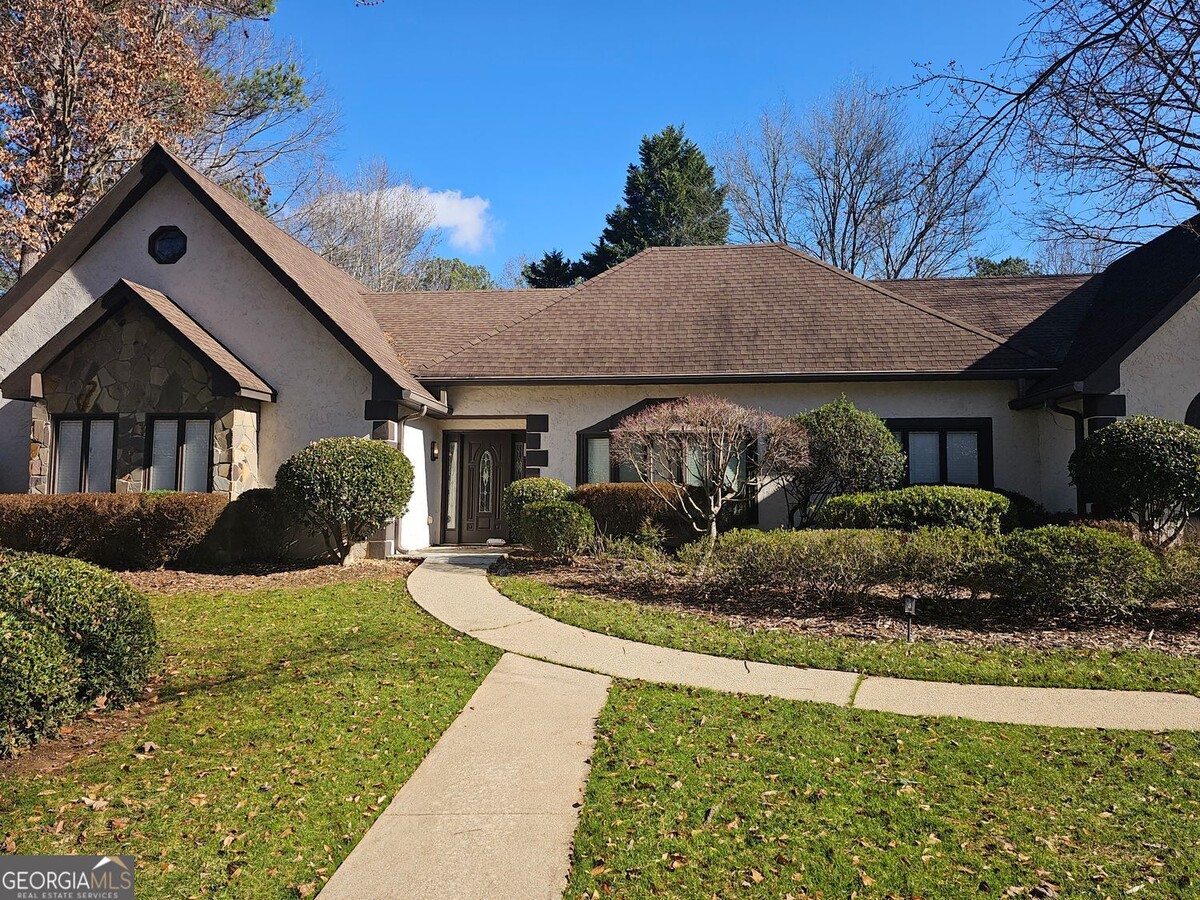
<point>1077,416</point>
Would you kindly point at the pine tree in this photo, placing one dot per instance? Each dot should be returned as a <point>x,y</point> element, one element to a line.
<point>553,270</point>
<point>672,199</point>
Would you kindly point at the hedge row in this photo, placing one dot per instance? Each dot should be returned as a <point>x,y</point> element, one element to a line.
<point>1052,570</point>
<point>920,506</point>
<point>150,530</point>
<point>118,531</point>
<point>72,633</point>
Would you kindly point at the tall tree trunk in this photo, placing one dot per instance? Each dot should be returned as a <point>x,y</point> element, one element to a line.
<point>29,257</point>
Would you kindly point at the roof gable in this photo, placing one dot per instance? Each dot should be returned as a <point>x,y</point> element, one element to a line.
<point>328,293</point>
<point>230,375</point>
<point>730,312</point>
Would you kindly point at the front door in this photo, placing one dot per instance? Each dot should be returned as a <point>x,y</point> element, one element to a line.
<point>486,471</point>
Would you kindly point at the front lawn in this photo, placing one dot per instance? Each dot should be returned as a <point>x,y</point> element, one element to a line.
<point>1094,667</point>
<point>695,794</point>
<point>288,719</point>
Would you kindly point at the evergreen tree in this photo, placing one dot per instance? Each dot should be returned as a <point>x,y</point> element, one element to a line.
<point>982,267</point>
<point>672,199</point>
<point>553,270</point>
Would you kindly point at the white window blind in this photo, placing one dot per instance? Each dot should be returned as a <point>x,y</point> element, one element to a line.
<point>100,455</point>
<point>197,455</point>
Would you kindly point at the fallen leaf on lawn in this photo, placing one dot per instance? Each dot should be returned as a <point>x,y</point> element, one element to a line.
<point>756,876</point>
<point>866,879</point>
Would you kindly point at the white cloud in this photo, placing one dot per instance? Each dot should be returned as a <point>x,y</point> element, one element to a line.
<point>465,219</point>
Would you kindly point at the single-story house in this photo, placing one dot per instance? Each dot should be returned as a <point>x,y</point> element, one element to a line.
<point>177,339</point>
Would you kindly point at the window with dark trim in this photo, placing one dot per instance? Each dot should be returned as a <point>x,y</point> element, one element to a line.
<point>1193,413</point>
<point>946,450</point>
<point>179,454</point>
<point>85,452</point>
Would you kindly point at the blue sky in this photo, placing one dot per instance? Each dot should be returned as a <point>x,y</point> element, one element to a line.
<point>536,108</point>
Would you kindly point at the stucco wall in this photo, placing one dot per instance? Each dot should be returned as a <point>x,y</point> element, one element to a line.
<point>1016,444</point>
<point>416,528</point>
<point>321,387</point>
<point>1162,376</point>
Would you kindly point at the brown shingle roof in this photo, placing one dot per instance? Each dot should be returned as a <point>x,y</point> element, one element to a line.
<point>1040,312</point>
<point>426,325</point>
<point>336,298</point>
<point>203,342</point>
<point>231,375</point>
<point>731,311</point>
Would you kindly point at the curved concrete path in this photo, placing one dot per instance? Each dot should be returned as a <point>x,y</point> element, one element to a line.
<point>452,585</point>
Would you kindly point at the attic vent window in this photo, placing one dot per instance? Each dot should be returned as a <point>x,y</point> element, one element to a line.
<point>168,244</point>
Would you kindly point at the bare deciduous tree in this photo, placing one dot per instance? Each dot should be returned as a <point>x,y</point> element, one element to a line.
<point>1064,255</point>
<point>852,182</point>
<point>708,452</point>
<point>266,138</point>
<point>375,226</point>
<point>1099,102</point>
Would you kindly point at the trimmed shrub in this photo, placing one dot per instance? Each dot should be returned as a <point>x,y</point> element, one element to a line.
<point>1180,576</point>
<point>943,562</point>
<point>557,528</point>
<point>920,506</point>
<point>1076,569</point>
<point>851,451</point>
<point>1024,512</point>
<point>118,531</point>
<point>261,530</point>
<point>1143,469</point>
<point>529,490</point>
<point>345,489</point>
<point>800,565</point>
<point>105,623</point>
<point>623,510</point>
<point>39,682</point>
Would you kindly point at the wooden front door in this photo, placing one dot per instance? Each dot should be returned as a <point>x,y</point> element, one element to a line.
<point>486,472</point>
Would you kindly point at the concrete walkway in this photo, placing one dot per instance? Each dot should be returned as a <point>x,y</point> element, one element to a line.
<point>490,813</point>
<point>452,585</point>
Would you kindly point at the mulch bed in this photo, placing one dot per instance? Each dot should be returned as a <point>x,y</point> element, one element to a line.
<point>264,576</point>
<point>1167,628</point>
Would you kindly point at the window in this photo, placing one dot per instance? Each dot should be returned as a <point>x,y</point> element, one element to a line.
<point>180,454</point>
<point>84,452</point>
<point>946,451</point>
<point>1193,413</point>
<point>168,245</point>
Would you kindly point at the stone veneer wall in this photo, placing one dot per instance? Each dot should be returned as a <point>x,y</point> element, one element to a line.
<point>130,367</point>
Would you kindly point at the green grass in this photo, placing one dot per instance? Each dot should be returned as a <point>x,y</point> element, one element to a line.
<point>1096,668</point>
<point>699,794</point>
<point>288,721</point>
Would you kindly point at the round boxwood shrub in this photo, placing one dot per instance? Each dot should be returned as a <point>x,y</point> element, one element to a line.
<point>850,451</point>
<point>557,528</point>
<point>106,624</point>
<point>525,491</point>
<point>345,489</point>
<point>1143,469</point>
<point>920,506</point>
<point>1084,570</point>
<point>39,681</point>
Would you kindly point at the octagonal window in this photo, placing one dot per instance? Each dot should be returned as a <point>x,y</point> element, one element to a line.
<point>168,244</point>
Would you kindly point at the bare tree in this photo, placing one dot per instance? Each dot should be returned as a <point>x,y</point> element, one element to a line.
<point>854,183</point>
<point>707,453</point>
<point>762,170</point>
<point>1099,102</point>
<point>268,137</point>
<point>1064,255</point>
<point>375,226</point>
<point>512,276</point>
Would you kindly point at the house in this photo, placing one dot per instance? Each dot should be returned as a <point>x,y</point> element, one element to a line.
<point>176,339</point>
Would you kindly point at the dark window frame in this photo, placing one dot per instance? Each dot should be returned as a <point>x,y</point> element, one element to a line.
<point>157,235</point>
<point>181,420</point>
<point>85,447</point>
<point>982,426</point>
